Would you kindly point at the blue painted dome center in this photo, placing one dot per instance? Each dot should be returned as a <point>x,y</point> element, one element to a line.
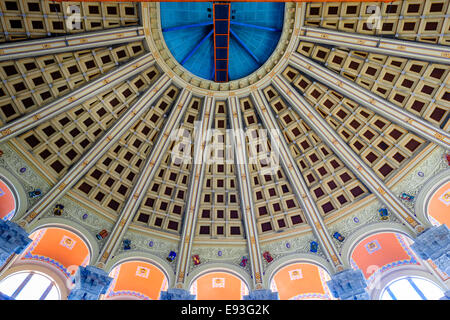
<point>222,41</point>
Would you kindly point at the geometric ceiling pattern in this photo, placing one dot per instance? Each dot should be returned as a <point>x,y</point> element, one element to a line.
<point>114,122</point>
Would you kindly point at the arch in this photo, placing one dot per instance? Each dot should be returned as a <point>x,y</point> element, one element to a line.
<point>378,253</point>
<point>18,192</point>
<point>290,271</point>
<point>64,285</point>
<point>292,259</point>
<point>59,248</point>
<point>383,253</point>
<point>380,227</point>
<point>30,285</point>
<point>217,279</point>
<point>158,262</point>
<point>138,279</point>
<point>8,201</point>
<point>399,272</point>
<point>425,194</point>
<point>72,226</point>
<point>217,267</point>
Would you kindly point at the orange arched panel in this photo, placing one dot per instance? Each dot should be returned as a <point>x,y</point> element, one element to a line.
<point>439,205</point>
<point>299,279</point>
<point>381,250</point>
<point>7,201</point>
<point>138,278</point>
<point>62,247</point>
<point>218,286</point>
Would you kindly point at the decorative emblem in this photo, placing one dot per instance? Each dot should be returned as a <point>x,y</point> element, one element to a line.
<point>35,193</point>
<point>384,214</point>
<point>102,234</point>
<point>407,197</point>
<point>313,246</point>
<point>196,259</point>
<point>218,282</point>
<point>243,262</point>
<point>411,221</point>
<point>142,272</point>
<point>296,274</point>
<point>172,255</point>
<point>267,256</point>
<point>420,229</point>
<point>67,242</point>
<point>338,236</point>
<point>58,209</point>
<point>126,244</point>
<point>439,136</point>
<point>445,197</point>
<point>335,259</point>
<point>372,246</point>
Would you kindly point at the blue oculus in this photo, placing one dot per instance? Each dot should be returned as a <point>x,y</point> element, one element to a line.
<point>254,32</point>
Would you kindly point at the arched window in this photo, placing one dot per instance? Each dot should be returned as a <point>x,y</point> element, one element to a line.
<point>381,253</point>
<point>411,288</point>
<point>30,285</point>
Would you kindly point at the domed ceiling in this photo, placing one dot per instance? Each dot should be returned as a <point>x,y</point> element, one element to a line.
<point>322,120</point>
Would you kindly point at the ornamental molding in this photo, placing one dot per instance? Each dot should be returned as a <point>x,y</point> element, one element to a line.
<point>29,180</point>
<point>73,226</point>
<point>143,244</point>
<point>168,63</point>
<point>222,255</point>
<point>293,258</point>
<point>147,257</point>
<point>424,195</point>
<point>412,184</point>
<point>283,249</point>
